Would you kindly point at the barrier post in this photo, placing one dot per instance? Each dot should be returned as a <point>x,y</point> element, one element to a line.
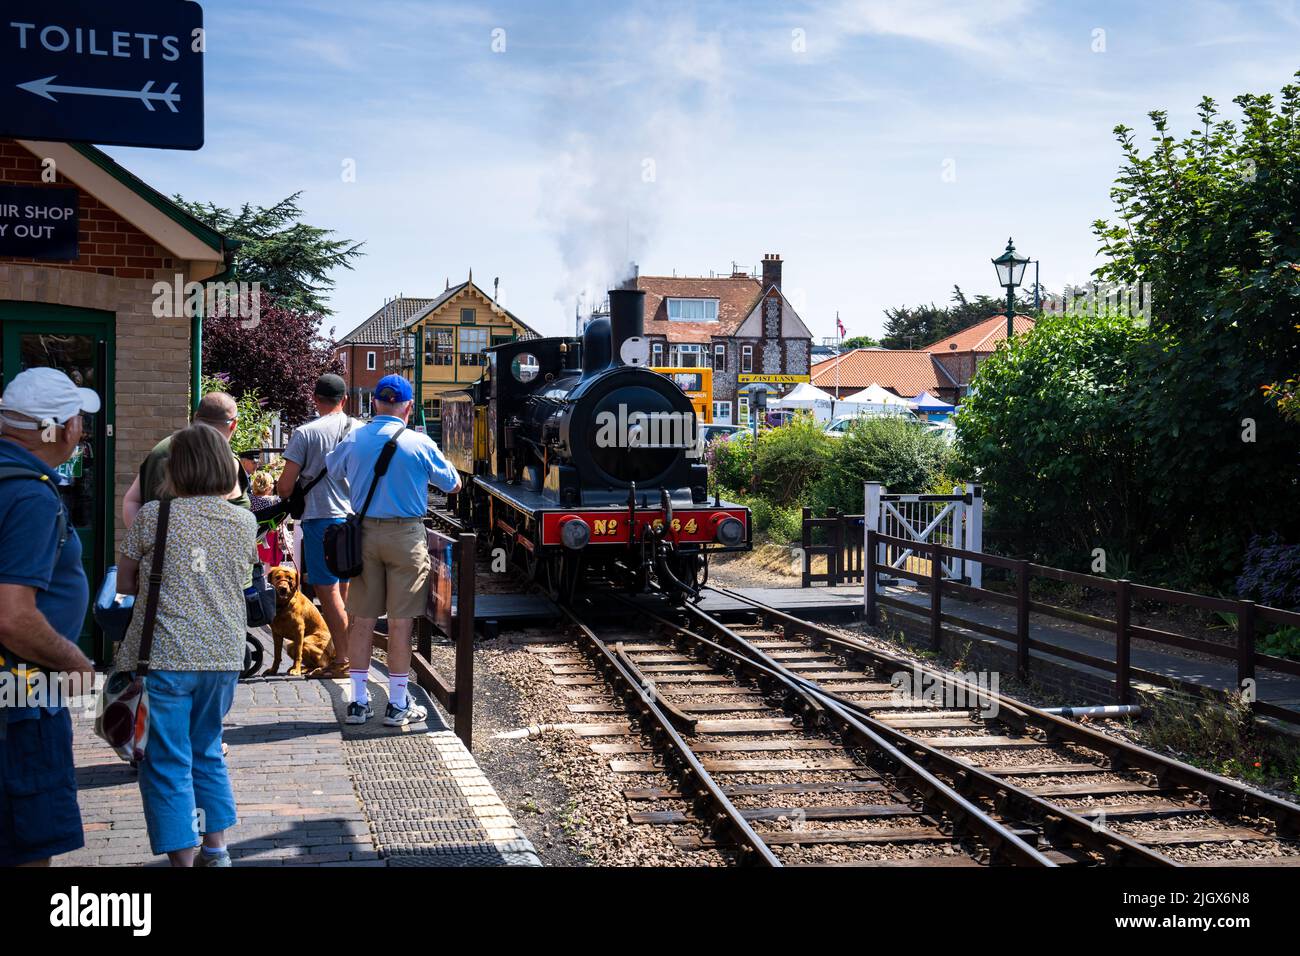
<point>869,575</point>
<point>936,597</point>
<point>465,555</point>
<point>1022,620</point>
<point>1123,604</point>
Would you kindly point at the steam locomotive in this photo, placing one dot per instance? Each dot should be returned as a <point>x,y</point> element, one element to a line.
<point>580,461</point>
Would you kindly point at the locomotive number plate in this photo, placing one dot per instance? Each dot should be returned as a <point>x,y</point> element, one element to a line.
<point>695,527</point>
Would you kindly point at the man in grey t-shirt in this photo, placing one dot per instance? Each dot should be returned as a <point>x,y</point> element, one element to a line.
<point>328,503</point>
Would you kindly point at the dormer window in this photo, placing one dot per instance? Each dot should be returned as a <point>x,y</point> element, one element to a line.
<point>692,310</point>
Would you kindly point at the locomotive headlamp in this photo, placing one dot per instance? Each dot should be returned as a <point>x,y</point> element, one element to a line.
<point>575,534</point>
<point>730,531</point>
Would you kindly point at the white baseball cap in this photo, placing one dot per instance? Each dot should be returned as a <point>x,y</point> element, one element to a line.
<point>47,393</point>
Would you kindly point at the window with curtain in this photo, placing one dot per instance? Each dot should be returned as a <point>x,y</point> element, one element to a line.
<point>747,358</point>
<point>692,310</point>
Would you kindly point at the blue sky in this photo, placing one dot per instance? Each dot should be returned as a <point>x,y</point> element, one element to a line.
<point>885,149</point>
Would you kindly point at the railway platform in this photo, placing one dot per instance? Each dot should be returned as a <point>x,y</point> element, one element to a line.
<point>838,604</point>
<point>314,792</point>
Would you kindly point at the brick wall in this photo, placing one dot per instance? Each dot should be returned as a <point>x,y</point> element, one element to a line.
<point>115,273</point>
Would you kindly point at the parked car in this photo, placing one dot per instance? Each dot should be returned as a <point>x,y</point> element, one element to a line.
<point>721,432</point>
<point>840,424</point>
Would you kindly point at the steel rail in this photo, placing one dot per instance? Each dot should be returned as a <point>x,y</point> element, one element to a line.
<point>692,770</point>
<point>962,813</point>
<point>1224,795</point>
<point>1024,804</point>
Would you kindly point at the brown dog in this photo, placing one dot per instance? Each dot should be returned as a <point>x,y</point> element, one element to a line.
<point>299,625</point>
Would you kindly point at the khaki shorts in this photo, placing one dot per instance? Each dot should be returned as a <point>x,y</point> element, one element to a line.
<point>395,570</point>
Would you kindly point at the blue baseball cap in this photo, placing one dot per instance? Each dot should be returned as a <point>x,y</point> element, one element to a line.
<point>393,389</point>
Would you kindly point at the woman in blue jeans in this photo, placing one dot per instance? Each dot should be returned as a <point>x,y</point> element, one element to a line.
<point>198,645</point>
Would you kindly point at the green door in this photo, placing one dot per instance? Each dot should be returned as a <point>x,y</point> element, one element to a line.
<point>80,342</point>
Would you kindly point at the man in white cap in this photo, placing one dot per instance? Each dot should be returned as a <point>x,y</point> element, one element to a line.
<point>43,599</point>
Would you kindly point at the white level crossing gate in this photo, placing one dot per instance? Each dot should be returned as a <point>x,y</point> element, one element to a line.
<point>955,521</point>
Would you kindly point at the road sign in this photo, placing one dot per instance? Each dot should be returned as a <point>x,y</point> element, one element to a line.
<point>120,74</point>
<point>38,222</point>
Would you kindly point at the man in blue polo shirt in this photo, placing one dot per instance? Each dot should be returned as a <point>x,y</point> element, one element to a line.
<point>43,598</point>
<point>394,548</point>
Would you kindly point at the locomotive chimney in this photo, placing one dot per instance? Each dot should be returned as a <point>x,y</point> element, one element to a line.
<point>626,321</point>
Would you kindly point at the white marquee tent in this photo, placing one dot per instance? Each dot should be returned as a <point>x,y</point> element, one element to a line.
<point>875,400</point>
<point>809,398</point>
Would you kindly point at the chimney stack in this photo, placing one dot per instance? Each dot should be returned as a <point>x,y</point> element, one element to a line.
<point>771,270</point>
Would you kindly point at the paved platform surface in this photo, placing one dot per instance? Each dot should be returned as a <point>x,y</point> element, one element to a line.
<point>1282,690</point>
<point>310,794</point>
<point>841,603</point>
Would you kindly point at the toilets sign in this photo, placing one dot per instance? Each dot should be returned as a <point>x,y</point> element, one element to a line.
<point>118,74</point>
<point>38,223</point>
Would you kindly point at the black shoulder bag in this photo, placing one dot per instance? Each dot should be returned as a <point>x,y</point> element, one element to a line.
<point>342,542</point>
<point>297,500</point>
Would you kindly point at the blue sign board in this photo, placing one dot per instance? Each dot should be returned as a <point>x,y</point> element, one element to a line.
<point>38,222</point>
<point>120,74</point>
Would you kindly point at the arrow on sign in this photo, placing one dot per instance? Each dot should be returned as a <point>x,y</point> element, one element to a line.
<point>46,88</point>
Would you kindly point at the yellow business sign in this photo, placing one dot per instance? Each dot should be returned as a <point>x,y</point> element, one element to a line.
<point>747,378</point>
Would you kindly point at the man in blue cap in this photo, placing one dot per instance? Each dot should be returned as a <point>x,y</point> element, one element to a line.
<point>394,549</point>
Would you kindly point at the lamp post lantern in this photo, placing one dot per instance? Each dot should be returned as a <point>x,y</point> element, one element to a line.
<point>1011,269</point>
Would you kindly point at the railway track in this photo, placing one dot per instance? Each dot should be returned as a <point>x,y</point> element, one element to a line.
<point>775,770</point>
<point>1088,796</point>
<point>790,744</point>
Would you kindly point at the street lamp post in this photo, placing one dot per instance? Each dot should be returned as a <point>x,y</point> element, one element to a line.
<point>1011,269</point>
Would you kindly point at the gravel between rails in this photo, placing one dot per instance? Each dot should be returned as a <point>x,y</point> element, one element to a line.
<point>581,816</point>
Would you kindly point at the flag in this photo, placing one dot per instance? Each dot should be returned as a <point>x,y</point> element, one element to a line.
<point>840,325</point>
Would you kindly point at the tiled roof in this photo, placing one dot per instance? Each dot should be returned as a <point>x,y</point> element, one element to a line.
<point>433,305</point>
<point>982,336</point>
<point>904,372</point>
<point>736,295</point>
<point>379,328</point>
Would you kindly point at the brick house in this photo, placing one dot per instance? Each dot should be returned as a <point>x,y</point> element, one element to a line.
<point>368,351</point>
<point>89,306</point>
<point>739,325</point>
<point>944,369</point>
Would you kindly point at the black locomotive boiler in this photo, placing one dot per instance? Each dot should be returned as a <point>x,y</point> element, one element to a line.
<point>580,461</point>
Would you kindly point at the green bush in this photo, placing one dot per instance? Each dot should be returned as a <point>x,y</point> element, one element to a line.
<point>731,464</point>
<point>254,426</point>
<point>789,459</point>
<point>786,524</point>
<point>894,451</point>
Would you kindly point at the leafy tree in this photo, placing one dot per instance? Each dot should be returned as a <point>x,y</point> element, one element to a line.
<point>1212,221</point>
<point>278,358</point>
<point>858,342</point>
<point>1051,432</point>
<point>291,259</point>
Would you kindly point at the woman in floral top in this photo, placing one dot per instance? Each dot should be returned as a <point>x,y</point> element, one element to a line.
<point>198,645</point>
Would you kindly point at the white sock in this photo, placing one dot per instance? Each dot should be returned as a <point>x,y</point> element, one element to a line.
<point>360,692</point>
<point>397,690</point>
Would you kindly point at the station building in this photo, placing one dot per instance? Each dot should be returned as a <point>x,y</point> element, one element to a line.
<point>440,347</point>
<point>83,243</point>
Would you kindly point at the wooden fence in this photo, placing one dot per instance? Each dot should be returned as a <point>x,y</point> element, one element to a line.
<point>1249,616</point>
